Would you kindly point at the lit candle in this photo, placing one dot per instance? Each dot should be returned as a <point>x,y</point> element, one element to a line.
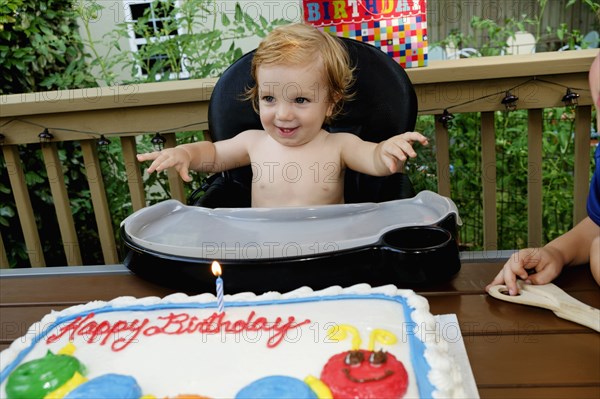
<point>216,269</point>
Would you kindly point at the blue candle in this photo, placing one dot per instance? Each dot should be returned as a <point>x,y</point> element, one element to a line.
<point>216,269</point>
<point>220,304</point>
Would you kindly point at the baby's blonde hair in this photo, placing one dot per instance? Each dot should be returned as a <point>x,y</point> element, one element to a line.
<point>298,44</point>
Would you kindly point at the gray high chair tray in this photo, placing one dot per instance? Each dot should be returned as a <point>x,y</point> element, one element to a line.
<point>404,242</point>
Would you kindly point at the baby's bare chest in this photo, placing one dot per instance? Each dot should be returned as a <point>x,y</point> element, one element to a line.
<point>317,165</point>
<point>290,171</point>
<point>296,180</point>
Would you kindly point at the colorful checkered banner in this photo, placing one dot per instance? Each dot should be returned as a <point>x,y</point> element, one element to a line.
<point>397,27</point>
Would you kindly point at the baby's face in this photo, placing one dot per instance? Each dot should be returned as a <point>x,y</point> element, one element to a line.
<point>293,101</point>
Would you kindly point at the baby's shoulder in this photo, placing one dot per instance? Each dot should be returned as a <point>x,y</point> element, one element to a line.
<point>251,137</point>
<point>342,138</point>
<point>252,134</point>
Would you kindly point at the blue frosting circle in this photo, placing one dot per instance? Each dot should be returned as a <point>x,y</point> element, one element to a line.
<point>277,386</point>
<point>107,386</point>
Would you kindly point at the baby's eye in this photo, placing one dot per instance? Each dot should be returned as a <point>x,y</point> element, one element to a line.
<point>301,100</point>
<point>268,99</point>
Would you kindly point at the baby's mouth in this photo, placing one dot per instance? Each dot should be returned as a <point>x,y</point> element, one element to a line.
<point>287,131</point>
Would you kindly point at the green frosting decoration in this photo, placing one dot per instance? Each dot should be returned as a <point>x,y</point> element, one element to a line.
<point>36,378</point>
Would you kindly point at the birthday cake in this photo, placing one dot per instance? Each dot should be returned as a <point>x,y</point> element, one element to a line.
<point>356,342</point>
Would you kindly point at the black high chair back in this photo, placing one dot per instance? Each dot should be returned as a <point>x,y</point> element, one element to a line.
<point>385,104</point>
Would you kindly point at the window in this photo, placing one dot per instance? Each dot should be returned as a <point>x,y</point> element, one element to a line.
<point>149,23</point>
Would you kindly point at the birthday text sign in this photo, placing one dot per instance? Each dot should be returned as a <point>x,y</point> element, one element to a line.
<point>397,27</point>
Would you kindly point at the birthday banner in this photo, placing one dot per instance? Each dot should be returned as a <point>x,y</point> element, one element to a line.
<point>397,27</point>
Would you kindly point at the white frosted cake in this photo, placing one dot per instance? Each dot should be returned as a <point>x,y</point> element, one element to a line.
<point>355,342</point>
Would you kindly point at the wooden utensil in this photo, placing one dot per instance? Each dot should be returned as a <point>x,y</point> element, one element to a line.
<point>549,296</point>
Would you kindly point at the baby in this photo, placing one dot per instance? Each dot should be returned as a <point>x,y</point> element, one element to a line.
<point>302,78</point>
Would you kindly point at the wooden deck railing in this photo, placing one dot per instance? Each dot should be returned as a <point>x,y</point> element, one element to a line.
<point>464,85</point>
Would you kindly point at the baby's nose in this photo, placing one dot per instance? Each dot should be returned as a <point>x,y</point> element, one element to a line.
<point>284,110</point>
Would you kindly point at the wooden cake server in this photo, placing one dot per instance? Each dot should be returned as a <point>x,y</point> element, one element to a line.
<point>549,296</point>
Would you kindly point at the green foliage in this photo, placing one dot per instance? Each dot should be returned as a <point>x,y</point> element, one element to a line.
<point>511,174</point>
<point>593,5</point>
<point>40,48</point>
<point>490,37</point>
<point>190,42</point>
<point>487,36</point>
<point>571,38</point>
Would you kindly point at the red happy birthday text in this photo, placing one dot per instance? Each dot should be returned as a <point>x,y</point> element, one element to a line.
<point>122,333</point>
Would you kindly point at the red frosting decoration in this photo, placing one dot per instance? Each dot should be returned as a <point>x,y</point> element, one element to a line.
<point>365,380</point>
<point>120,334</point>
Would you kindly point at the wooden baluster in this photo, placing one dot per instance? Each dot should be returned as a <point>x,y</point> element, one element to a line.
<point>3,257</point>
<point>488,175</point>
<point>534,177</point>
<point>23,204</point>
<point>134,175</point>
<point>56,180</point>
<point>99,201</point>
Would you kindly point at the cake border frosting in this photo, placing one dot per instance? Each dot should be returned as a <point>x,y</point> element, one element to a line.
<point>441,376</point>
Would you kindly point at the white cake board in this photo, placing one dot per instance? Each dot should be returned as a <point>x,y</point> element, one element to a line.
<point>450,330</point>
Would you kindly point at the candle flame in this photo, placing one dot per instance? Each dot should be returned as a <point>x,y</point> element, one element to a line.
<point>216,268</point>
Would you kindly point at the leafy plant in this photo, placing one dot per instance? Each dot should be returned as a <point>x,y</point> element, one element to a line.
<point>490,37</point>
<point>40,48</point>
<point>570,38</point>
<point>195,40</point>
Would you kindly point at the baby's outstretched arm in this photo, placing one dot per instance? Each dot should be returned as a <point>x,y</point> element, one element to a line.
<point>381,159</point>
<point>396,150</point>
<point>203,156</point>
<point>182,158</point>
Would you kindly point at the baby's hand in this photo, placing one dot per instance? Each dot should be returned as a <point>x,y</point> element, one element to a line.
<point>177,158</point>
<point>396,150</point>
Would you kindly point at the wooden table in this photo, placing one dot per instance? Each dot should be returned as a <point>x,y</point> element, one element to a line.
<point>515,351</point>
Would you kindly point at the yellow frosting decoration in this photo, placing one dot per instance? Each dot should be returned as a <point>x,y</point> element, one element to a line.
<point>318,387</point>
<point>67,387</point>
<point>148,397</point>
<point>68,349</point>
<point>341,331</point>
<point>381,336</point>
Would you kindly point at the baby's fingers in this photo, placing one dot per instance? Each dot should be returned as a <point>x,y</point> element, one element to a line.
<point>415,137</point>
<point>391,163</point>
<point>185,174</point>
<point>164,162</point>
<point>396,153</point>
<point>150,156</point>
